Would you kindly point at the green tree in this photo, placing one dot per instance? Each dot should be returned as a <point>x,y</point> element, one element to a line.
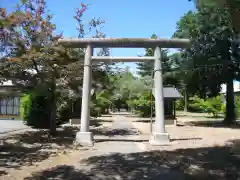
<point>212,106</point>
<point>35,58</point>
<point>210,31</point>
<point>232,5</point>
<point>32,57</point>
<point>146,68</point>
<point>187,27</point>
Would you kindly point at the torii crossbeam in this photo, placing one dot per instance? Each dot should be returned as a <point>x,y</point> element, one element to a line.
<point>159,136</point>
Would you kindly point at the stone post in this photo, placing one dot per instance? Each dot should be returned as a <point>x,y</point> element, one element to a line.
<point>84,137</point>
<point>159,136</point>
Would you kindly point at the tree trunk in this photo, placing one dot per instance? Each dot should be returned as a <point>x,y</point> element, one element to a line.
<point>53,110</point>
<point>230,116</point>
<point>185,101</point>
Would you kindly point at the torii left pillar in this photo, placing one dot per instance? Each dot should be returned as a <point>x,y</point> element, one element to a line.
<point>84,136</point>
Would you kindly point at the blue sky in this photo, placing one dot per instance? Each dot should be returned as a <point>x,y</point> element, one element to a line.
<point>124,18</point>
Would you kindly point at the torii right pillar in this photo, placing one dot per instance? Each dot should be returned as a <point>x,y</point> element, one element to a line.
<point>159,135</point>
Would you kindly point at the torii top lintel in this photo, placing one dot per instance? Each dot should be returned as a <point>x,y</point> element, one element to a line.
<point>124,43</point>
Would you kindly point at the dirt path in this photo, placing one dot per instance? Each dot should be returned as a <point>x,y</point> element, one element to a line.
<point>122,137</point>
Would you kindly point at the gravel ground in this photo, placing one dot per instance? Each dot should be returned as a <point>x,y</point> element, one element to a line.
<point>193,137</point>
<point>192,133</point>
<point>121,152</point>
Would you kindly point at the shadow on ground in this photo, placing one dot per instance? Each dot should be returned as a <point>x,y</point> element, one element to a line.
<point>98,140</point>
<point>201,116</point>
<point>184,139</point>
<point>94,122</point>
<point>63,172</point>
<point>149,120</point>
<point>211,163</point>
<point>137,139</point>
<point>132,115</point>
<point>213,123</point>
<point>106,115</point>
<point>114,132</point>
<point>34,146</point>
<point>2,173</point>
<point>99,122</point>
<point>144,120</point>
<point>126,114</point>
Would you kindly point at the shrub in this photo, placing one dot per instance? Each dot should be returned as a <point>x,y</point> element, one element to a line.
<point>95,111</point>
<point>196,104</point>
<point>213,106</point>
<point>24,106</point>
<point>223,108</point>
<point>237,106</point>
<point>99,103</point>
<point>143,105</point>
<point>37,111</point>
<point>131,104</point>
<point>63,110</point>
<point>179,104</point>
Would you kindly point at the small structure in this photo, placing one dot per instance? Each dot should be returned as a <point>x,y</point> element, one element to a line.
<point>9,100</point>
<point>170,94</point>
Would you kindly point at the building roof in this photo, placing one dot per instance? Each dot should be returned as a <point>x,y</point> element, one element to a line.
<point>170,92</point>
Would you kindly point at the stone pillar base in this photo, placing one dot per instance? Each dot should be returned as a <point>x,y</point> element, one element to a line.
<point>159,139</point>
<point>84,138</point>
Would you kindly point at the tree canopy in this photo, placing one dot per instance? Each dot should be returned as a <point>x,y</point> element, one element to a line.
<point>213,56</point>
<point>33,60</point>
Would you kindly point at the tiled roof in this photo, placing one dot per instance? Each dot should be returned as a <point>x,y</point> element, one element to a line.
<point>171,92</point>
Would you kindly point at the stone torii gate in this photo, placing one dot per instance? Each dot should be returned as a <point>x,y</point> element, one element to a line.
<point>159,136</point>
